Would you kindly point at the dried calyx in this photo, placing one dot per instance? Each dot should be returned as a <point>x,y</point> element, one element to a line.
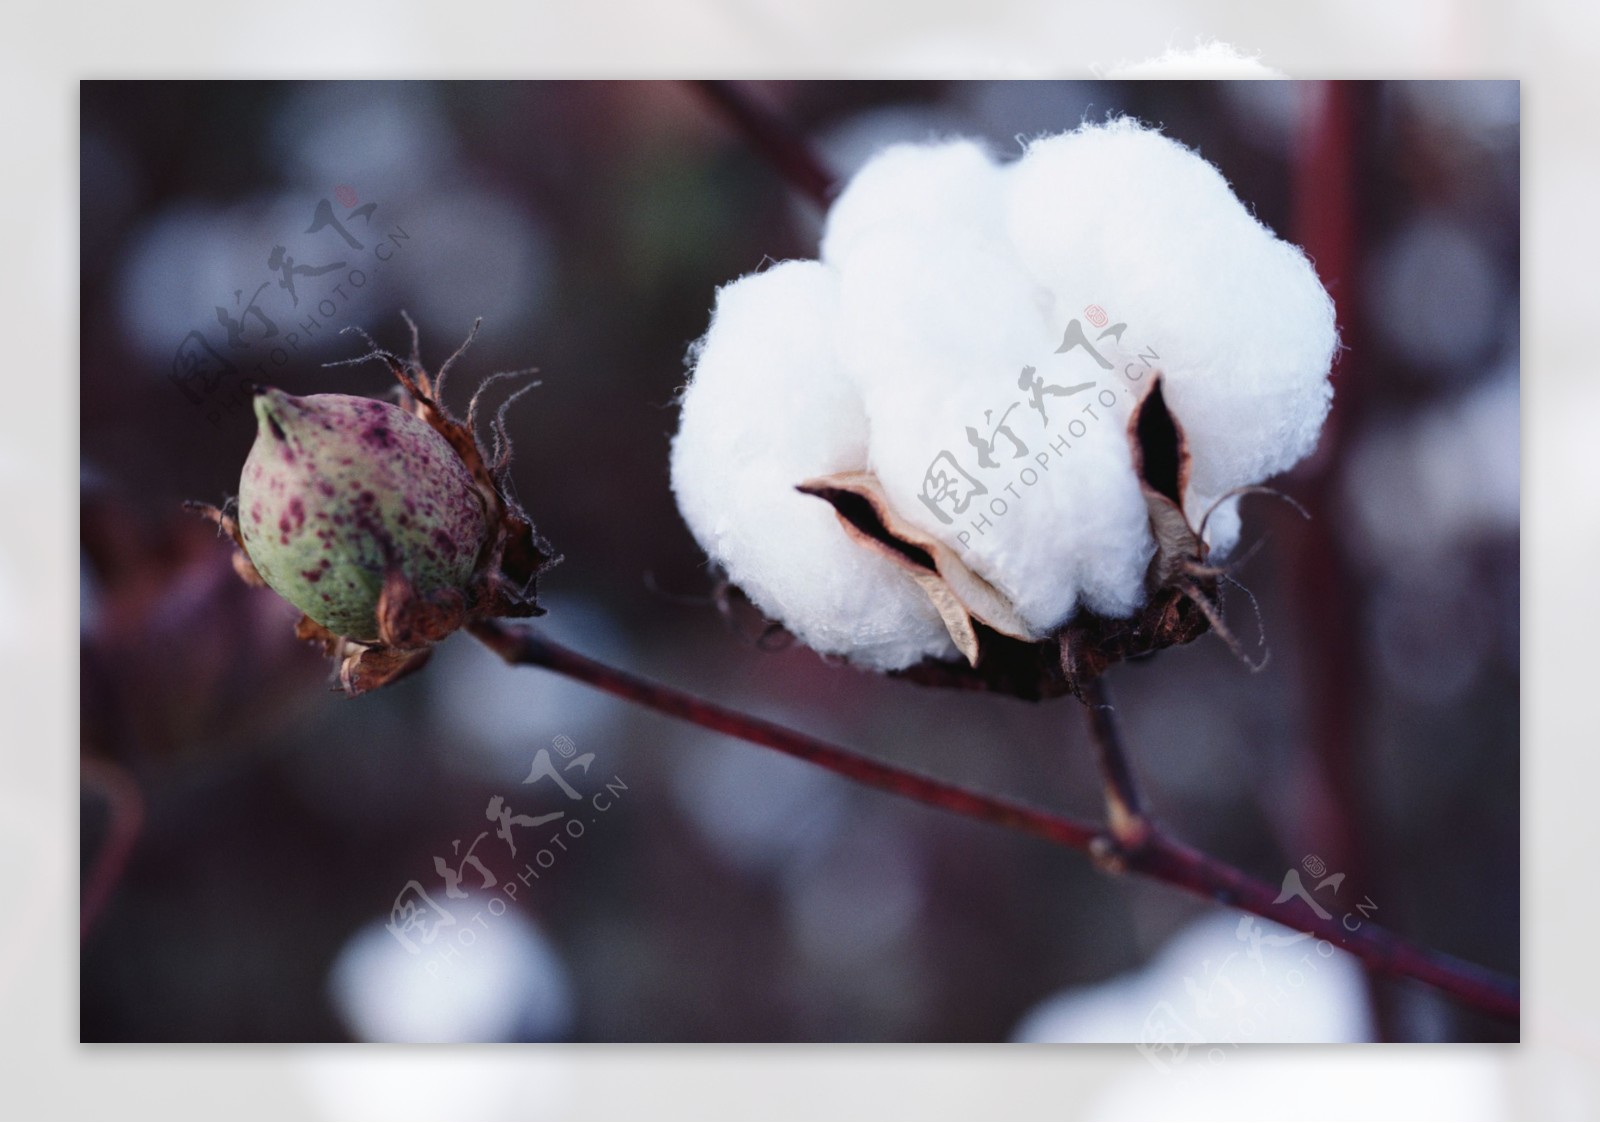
<point>1001,654</point>
<point>387,525</point>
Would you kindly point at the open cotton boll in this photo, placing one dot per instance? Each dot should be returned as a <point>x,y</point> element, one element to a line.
<point>970,352</point>
<point>768,408</point>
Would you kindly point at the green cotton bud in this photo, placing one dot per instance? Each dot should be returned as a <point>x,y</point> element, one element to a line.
<point>389,527</point>
<point>340,492</point>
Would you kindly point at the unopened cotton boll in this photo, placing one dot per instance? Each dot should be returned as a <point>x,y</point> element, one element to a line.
<point>969,355</point>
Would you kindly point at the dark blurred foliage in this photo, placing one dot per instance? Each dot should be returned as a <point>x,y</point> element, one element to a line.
<point>729,894</point>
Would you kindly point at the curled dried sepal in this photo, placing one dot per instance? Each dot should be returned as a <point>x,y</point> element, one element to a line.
<point>514,554</point>
<point>360,667</point>
<point>962,598</point>
<point>1079,652</point>
<point>420,546</point>
<point>226,522</point>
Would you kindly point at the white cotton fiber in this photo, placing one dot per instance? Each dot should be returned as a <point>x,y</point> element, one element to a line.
<point>769,408</point>
<point>1123,217</point>
<point>929,187</point>
<point>935,336</point>
<point>943,274</point>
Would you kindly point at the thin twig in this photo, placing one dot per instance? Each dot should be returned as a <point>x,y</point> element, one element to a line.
<point>1156,856</point>
<point>522,646</point>
<point>1124,807</point>
<point>775,139</point>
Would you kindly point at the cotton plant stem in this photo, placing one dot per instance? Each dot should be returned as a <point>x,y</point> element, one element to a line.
<point>1150,853</point>
<point>776,140</point>
<point>1125,817</point>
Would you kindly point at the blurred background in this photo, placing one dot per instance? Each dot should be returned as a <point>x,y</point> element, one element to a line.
<point>269,827</point>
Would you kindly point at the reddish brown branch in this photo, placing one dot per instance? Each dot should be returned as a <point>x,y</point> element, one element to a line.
<point>775,139</point>
<point>521,646</point>
<point>1125,815</point>
<point>1156,855</point>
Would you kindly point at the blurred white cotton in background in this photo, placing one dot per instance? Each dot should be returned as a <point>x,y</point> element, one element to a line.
<point>504,714</point>
<point>1420,496</point>
<point>1423,487</point>
<point>403,215</point>
<point>1228,977</point>
<point>507,983</point>
<point>192,259</point>
<point>1434,292</point>
<point>860,905</point>
<point>854,921</point>
<point>209,270</point>
<point>364,134</point>
<point>759,812</point>
<point>1431,630</point>
<point>477,253</point>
